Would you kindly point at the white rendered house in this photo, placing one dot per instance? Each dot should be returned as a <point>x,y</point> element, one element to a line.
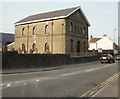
<point>103,43</point>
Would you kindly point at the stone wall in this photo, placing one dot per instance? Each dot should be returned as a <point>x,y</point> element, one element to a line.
<point>12,60</point>
<point>55,38</point>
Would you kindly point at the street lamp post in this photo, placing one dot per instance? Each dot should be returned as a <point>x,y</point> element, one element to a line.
<point>114,34</point>
<point>114,42</point>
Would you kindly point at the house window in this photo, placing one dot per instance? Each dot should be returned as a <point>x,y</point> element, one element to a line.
<point>71,45</point>
<point>81,30</point>
<point>78,30</point>
<point>34,30</point>
<point>47,29</point>
<point>23,48</point>
<point>23,31</point>
<point>84,29</point>
<point>33,47</point>
<point>75,29</point>
<point>46,47</point>
<point>71,27</point>
<point>78,46</point>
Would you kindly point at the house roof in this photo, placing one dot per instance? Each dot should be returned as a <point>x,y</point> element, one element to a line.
<point>6,37</point>
<point>93,40</point>
<point>64,13</point>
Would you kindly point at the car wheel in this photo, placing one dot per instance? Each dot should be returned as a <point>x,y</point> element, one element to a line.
<point>101,62</point>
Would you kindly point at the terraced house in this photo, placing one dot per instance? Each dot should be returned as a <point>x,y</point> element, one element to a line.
<point>57,32</point>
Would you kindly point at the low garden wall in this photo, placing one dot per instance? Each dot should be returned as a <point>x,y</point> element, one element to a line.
<point>12,60</point>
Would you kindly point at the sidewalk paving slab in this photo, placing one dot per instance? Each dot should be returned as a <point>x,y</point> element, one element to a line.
<point>110,90</point>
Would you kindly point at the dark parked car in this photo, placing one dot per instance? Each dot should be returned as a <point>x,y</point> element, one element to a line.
<point>107,58</point>
<point>118,57</point>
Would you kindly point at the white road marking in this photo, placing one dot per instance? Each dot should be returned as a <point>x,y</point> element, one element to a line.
<point>2,84</point>
<point>37,80</point>
<point>90,70</point>
<point>8,85</point>
<point>18,83</point>
<point>98,68</point>
<point>108,65</point>
<point>67,74</point>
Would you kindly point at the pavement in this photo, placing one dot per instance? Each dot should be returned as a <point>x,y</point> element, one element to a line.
<point>110,90</point>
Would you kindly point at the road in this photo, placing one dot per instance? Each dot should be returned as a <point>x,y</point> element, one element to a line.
<point>68,82</point>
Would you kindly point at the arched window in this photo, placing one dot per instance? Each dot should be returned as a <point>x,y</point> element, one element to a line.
<point>46,47</point>
<point>71,45</point>
<point>33,47</point>
<point>34,30</point>
<point>23,31</point>
<point>78,46</point>
<point>23,48</point>
<point>47,29</point>
<point>71,27</point>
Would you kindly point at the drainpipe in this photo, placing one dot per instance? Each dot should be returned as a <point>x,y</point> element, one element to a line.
<point>27,38</point>
<point>62,37</point>
<point>52,39</point>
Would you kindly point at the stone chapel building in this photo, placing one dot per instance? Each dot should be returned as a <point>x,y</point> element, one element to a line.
<point>57,32</point>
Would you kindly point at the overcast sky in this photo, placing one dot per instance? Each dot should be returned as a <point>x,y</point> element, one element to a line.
<point>103,16</point>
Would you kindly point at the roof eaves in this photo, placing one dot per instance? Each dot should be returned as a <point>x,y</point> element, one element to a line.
<point>95,41</point>
<point>84,16</point>
<point>98,39</point>
<point>111,39</point>
<point>53,18</point>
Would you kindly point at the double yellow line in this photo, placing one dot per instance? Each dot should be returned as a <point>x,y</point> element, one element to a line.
<point>94,90</point>
<point>87,94</point>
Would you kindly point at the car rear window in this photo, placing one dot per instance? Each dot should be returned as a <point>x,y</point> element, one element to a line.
<point>104,55</point>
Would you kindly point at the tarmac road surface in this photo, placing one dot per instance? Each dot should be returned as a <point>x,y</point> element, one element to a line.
<point>68,82</point>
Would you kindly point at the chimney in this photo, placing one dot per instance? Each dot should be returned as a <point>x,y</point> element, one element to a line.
<point>104,35</point>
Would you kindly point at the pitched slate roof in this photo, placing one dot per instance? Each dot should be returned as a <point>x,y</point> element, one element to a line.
<point>51,15</point>
<point>93,40</point>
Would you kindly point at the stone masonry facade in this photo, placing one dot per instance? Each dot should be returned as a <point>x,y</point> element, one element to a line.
<point>55,36</point>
